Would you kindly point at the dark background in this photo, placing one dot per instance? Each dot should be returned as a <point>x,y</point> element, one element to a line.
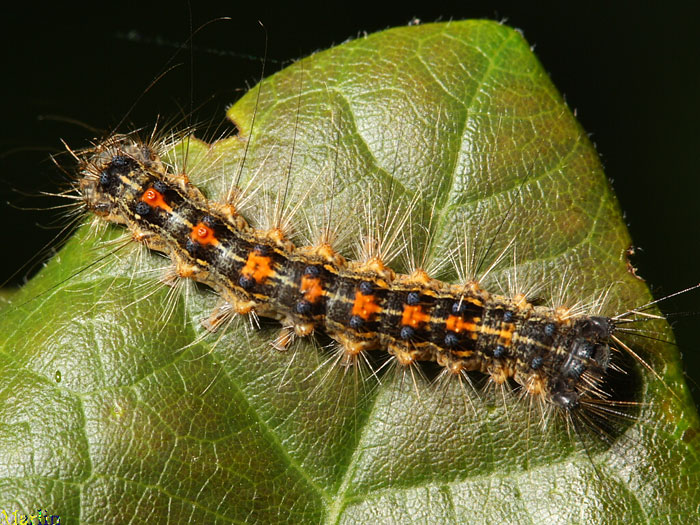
<point>631,72</point>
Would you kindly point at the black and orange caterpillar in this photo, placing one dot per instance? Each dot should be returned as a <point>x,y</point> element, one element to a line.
<point>554,354</point>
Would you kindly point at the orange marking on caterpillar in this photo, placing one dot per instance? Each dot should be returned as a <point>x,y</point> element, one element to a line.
<point>155,199</point>
<point>365,306</point>
<point>204,235</point>
<point>414,316</point>
<point>312,288</point>
<point>505,336</point>
<point>258,267</point>
<point>458,325</point>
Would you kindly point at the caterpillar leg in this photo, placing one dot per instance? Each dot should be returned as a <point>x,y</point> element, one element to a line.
<point>284,339</point>
<point>222,312</point>
<point>170,276</point>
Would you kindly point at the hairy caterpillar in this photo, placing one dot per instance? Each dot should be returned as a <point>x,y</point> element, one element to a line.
<point>371,468</point>
<point>554,353</point>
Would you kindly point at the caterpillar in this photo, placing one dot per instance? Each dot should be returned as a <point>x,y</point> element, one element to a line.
<point>417,442</point>
<point>364,306</point>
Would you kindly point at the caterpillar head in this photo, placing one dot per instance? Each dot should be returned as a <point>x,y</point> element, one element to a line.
<point>111,170</point>
<point>586,363</point>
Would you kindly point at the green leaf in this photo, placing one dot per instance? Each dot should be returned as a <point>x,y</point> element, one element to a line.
<point>117,406</point>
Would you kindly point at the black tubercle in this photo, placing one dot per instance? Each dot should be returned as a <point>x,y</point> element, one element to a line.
<point>247,283</point>
<point>550,329</point>
<point>142,208</point>
<point>119,165</point>
<point>406,332</point>
<point>160,186</point>
<point>303,307</point>
<point>106,179</point>
<point>366,288</point>
<point>312,271</point>
<point>413,298</point>
<point>451,339</point>
<point>499,351</point>
<point>356,322</point>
